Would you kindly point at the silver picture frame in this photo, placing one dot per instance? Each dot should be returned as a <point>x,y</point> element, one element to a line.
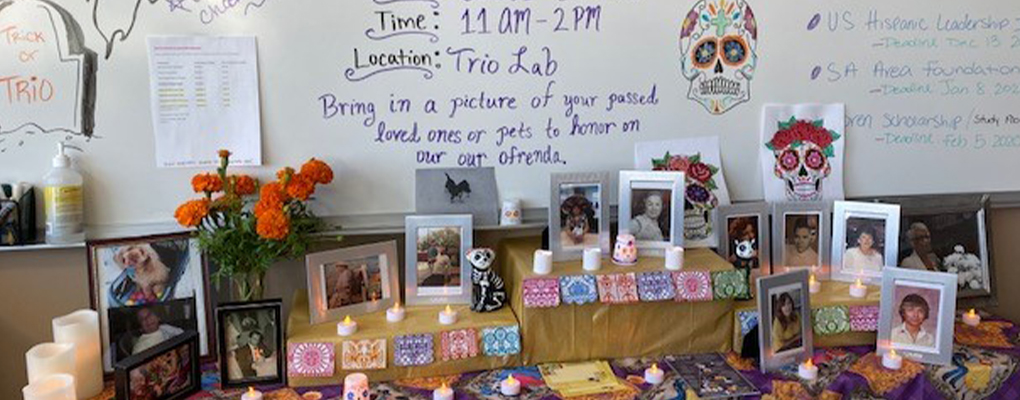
<point>383,255</point>
<point>762,212</point>
<point>842,211</point>
<point>795,282</point>
<point>558,184</point>
<point>414,293</point>
<point>940,351</point>
<point>674,181</point>
<point>782,213</point>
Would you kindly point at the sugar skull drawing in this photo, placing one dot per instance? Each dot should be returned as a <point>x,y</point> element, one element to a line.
<point>802,149</point>
<point>699,199</point>
<point>718,39</point>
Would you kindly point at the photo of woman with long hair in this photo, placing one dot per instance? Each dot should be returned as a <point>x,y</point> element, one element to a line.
<point>786,321</point>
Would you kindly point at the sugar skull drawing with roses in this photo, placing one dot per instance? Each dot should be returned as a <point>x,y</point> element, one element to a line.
<point>699,197</point>
<point>802,149</point>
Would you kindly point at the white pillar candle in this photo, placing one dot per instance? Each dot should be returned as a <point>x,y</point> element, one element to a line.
<point>971,318</point>
<point>51,387</point>
<point>347,327</point>
<point>49,358</point>
<point>858,290</point>
<point>891,360</point>
<point>592,259</point>
<point>443,393</point>
<point>395,314</point>
<point>448,316</point>
<point>251,394</point>
<point>674,258</point>
<point>510,386</point>
<point>543,262</point>
<point>808,370</point>
<point>81,328</point>
<point>814,286</point>
<point>356,387</point>
<point>654,375</point>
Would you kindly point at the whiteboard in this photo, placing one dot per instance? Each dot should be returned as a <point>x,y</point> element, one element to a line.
<point>930,89</point>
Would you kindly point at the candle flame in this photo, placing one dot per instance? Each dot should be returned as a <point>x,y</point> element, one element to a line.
<point>251,390</point>
<point>812,279</point>
<point>510,379</point>
<point>655,367</point>
<point>347,320</point>
<point>444,388</point>
<point>858,283</point>
<point>971,312</point>
<point>448,309</point>
<point>892,353</point>
<point>808,363</point>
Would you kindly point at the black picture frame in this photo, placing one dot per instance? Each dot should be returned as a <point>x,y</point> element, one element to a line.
<point>122,369</point>
<point>223,311</point>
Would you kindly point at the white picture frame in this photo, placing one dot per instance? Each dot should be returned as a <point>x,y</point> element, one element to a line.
<point>352,268</point>
<point>578,203</point>
<point>787,219</point>
<point>644,228</point>
<point>864,261</point>
<point>773,292</point>
<point>907,292</point>
<point>436,232</point>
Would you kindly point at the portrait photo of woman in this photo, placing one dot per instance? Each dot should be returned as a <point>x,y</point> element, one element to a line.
<point>651,210</point>
<point>864,247</point>
<point>786,321</point>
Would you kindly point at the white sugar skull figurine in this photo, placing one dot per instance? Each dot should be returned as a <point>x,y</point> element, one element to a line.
<point>717,53</point>
<point>488,290</point>
<point>511,214</point>
<point>625,250</point>
<point>802,149</point>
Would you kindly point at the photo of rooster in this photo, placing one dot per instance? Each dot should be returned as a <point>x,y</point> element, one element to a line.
<point>457,191</point>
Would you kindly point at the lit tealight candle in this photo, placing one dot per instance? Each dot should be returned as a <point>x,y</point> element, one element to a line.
<point>858,290</point>
<point>891,360</point>
<point>510,386</point>
<point>443,393</point>
<point>448,316</point>
<point>347,327</point>
<point>808,370</point>
<point>543,262</point>
<point>971,318</point>
<point>654,375</point>
<point>592,259</point>
<point>252,394</point>
<point>814,286</point>
<point>674,258</point>
<point>395,314</point>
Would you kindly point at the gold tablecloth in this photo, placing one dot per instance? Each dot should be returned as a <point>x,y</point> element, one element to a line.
<point>833,293</point>
<point>419,319</point>
<point>602,331</point>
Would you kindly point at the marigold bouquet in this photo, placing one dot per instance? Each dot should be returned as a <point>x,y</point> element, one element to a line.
<point>245,234</point>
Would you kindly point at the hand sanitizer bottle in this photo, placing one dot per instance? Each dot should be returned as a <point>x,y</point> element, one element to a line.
<point>64,201</point>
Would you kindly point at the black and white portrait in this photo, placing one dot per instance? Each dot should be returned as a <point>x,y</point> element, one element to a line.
<point>251,341</point>
<point>651,211</point>
<point>947,242</point>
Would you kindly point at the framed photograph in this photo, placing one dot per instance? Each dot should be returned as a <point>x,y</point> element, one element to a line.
<point>800,237</point>
<point>784,309</point>
<point>578,214</point>
<point>458,191</point>
<point>948,234</point>
<point>168,371</point>
<point>352,281</point>
<point>135,329</point>
<point>148,270</point>
<point>651,209</point>
<point>251,341</point>
<point>865,239</point>
<point>436,272</point>
<point>917,314</point>
<point>744,237</point>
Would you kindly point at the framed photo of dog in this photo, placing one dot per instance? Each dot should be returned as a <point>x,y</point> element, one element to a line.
<point>744,231</point>
<point>800,237</point>
<point>865,239</point>
<point>148,270</point>
<point>435,250</point>
<point>579,214</point>
<point>352,281</point>
<point>169,371</point>
<point>651,209</point>
<point>917,314</point>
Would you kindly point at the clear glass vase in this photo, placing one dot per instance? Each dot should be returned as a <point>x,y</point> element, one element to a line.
<point>249,286</point>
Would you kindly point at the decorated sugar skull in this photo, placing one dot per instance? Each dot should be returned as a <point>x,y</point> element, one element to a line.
<point>744,248</point>
<point>625,250</point>
<point>699,196</point>
<point>717,52</point>
<point>803,150</point>
<point>511,213</point>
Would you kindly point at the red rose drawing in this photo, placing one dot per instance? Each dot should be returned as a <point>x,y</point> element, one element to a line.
<point>678,163</point>
<point>700,172</point>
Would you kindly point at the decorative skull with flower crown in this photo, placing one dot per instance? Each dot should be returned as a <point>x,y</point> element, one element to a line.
<point>717,53</point>
<point>803,149</point>
<point>699,199</point>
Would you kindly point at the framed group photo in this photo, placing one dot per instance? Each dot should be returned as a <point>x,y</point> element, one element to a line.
<point>352,281</point>
<point>168,371</point>
<point>865,239</point>
<point>435,270</point>
<point>651,209</point>
<point>784,327</point>
<point>578,214</point>
<point>800,237</point>
<point>917,314</point>
<point>744,231</point>
<point>148,271</point>
<point>250,343</point>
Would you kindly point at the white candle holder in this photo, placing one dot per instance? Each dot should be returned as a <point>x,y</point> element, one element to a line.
<point>81,328</point>
<point>808,370</point>
<point>858,290</point>
<point>347,327</point>
<point>674,258</point>
<point>891,360</point>
<point>447,316</point>
<point>654,375</point>
<point>592,259</point>
<point>814,286</point>
<point>396,313</point>
<point>510,386</point>
<point>971,318</point>
<point>543,262</point>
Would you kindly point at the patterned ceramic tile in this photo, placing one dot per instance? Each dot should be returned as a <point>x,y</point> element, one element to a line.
<point>618,288</point>
<point>748,320</point>
<point>864,318</point>
<point>364,354</point>
<point>656,286</point>
<point>501,341</point>
<point>413,350</point>
<point>541,292</point>
<point>831,320</point>
<point>459,344</point>
<point>579,289</point>
<point>693,285</point>
<point>730,284</point>
<point>311,360</point>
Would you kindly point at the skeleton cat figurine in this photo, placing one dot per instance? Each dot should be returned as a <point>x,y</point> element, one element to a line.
<point>488,291</point>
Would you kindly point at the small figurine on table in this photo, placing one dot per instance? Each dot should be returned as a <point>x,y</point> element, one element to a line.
<point>488,291</point>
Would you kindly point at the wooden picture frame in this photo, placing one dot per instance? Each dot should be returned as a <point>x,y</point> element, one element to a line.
<point>254,363</point>
<point>183,345</point>
<point>426,252</point>
<point>376,258</point>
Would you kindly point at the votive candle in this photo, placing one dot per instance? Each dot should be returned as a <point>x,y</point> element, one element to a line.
<point>592,259</point>
<point>448,316</point>
<point>543,262</point>
<point>347,327</point>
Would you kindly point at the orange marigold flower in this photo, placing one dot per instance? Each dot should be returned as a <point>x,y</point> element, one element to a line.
<point>285,174</point>
<point>318,171</point>
<point>300,187</point>
<point>273,224</point>
<point>244,185</point>
<point>273,193</point>
<point>190,214</point>
<point>224,153</point>
<point>206,183</point>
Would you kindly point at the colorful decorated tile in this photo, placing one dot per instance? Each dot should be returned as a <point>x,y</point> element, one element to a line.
<point>693,285</point>
<point>311,360</point>
<point>579,289</point>
<point>831,320</point>
<point>413,350</point>
<point>731,284</point>
<point>364,354</point>
<point>748,320</point>
<point>459,344</point>
<point>864,318</point>
<point>501,341</point>
<point>975,374</point>
<point>656,286</point>
<point>618,288</point>
<point>541,292</point>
